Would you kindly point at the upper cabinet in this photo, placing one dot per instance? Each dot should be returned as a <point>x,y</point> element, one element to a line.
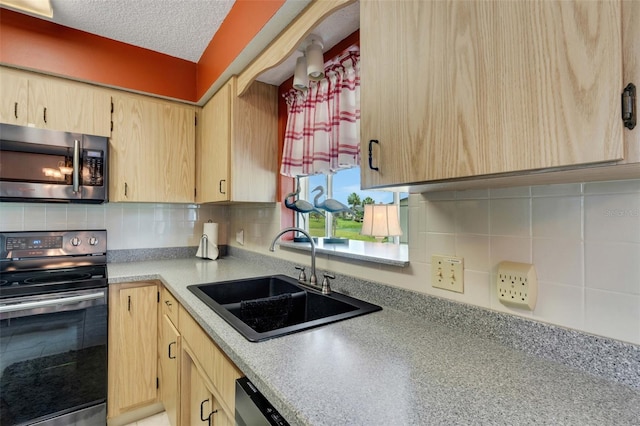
<point>29,99</point>
<point>237,145</point>
<point>454,89</point>
<point>152,150</point>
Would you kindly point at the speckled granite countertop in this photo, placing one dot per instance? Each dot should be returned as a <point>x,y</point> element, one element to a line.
<point>393,368</point>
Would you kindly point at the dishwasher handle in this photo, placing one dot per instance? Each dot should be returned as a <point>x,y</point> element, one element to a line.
<point>52,302</point>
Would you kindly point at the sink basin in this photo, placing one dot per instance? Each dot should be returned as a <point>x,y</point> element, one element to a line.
<point>262,308</point>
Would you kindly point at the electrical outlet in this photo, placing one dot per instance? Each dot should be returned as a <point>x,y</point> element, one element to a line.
<point>240,237</point>
<point>517,285</point>
<point>447,272</point>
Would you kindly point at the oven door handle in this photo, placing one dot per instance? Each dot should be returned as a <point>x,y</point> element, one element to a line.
<point>53,302</point>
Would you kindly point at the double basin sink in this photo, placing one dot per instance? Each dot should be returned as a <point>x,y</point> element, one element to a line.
<point>262,308</point>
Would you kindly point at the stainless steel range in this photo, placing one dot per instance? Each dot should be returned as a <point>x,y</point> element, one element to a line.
<point>53,328</point>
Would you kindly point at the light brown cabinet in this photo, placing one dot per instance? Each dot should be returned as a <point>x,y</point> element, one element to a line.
<point>133,343</point>
<point>465,89</point>
<point>169,355</point>
<point>237,145</point>
<point>152,150</point>
<point>201,406</point>
<point>207,381</point>
<point>29,99</point>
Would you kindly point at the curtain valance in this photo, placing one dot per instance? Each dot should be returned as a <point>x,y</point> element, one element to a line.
<point>323,125</point>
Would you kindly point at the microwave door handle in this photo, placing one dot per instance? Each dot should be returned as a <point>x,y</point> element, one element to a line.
<point>76,166</point>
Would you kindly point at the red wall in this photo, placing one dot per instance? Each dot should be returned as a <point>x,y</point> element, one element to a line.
<point>40,45</point>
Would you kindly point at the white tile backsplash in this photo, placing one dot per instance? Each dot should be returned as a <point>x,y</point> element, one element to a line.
<point>584,240</point>
<point>128,225</point>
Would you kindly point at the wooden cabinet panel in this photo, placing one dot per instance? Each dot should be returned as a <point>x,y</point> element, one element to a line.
<point>13,97</point>
<point>220,370</point>
<point>237,149</point>
<point>133,343</point>
<point>152,150</point>
<point>212,173</point>
<point>54,103</point>
<point>169,306</point>
<point>200,406</point>
<point>168,355</point>
<point>459,89</point>
<point>61,105</point>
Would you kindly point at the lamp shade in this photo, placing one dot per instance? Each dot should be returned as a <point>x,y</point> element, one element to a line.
<point>300,78</point>
<point>315,60</point>
<point>381,220</point>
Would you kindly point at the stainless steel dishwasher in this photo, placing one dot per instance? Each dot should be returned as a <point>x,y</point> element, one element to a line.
<point>253,409</point>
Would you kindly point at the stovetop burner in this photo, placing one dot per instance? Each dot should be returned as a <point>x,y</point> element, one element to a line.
<point>34,263</point>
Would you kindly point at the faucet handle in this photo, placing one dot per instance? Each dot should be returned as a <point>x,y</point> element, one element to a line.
<point>326,284</point>
<point>302,277</point>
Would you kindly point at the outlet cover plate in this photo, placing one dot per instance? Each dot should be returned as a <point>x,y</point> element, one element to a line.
<point>447,272</point>
<point>517,285</point>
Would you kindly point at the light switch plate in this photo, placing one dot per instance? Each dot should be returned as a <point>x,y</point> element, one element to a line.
<point>240,237</point>
<point>447,272</point>
<point>517,285</point>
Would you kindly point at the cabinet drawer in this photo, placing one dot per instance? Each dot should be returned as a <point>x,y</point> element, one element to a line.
<point>169,306</point>
<point>220,370</point>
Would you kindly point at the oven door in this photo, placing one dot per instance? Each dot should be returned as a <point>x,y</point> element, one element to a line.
<point>53,359</point>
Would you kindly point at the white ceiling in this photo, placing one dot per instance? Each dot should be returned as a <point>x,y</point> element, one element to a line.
<point>184,28</point>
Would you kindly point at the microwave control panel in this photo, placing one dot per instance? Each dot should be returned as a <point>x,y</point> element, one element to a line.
<point>92,168</point>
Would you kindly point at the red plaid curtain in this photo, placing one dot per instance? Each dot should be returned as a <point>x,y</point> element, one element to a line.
<point>323,125</point>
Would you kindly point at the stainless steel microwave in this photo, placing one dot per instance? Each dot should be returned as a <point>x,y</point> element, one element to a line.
<point>44,165</point>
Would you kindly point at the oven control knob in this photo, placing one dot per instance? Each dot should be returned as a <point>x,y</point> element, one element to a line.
<point>75,241</point>
<point>93,241</point>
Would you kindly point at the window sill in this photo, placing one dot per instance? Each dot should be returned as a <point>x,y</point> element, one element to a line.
<point>381,253</point>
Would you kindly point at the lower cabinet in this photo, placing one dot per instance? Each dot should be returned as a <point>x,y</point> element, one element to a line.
<point>208,377</point>
<point>169,356</point>
<point>200,405</point>
<point>159,354</point>
<point>133,342</point>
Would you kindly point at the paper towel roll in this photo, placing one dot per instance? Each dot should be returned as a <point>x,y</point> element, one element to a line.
<point>210,229</point>
<point>208,247</point>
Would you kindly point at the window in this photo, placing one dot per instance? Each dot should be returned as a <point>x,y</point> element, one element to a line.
<point>343,188</point>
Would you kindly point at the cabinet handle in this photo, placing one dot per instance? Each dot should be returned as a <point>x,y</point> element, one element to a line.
<point>629,106</point>
<point>15,109</point>
<point>171,357</point>
<point>166,302</point>
<point>129,303</point>
<point>371,142</point>
<point>44,114</point>
<point>220,186</point>
<point>208,419</point>
<point>126,189</point>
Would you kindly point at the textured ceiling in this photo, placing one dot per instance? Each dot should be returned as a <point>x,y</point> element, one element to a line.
<point>179,28</point>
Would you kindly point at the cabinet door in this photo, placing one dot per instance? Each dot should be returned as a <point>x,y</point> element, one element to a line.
<point>200,405</point>
<point>169,350</point>
<point>212,173</point>
<point>456,89</point>
<point>68,106</point>
<point>254,144</point>
<point>152,150</point>
<point>13,97</point>
<point>133,343</point>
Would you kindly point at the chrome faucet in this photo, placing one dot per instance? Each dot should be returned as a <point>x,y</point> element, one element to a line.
<point>313,280</point>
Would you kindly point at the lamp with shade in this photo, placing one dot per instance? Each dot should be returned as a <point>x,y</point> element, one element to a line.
<point>381,220</point>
